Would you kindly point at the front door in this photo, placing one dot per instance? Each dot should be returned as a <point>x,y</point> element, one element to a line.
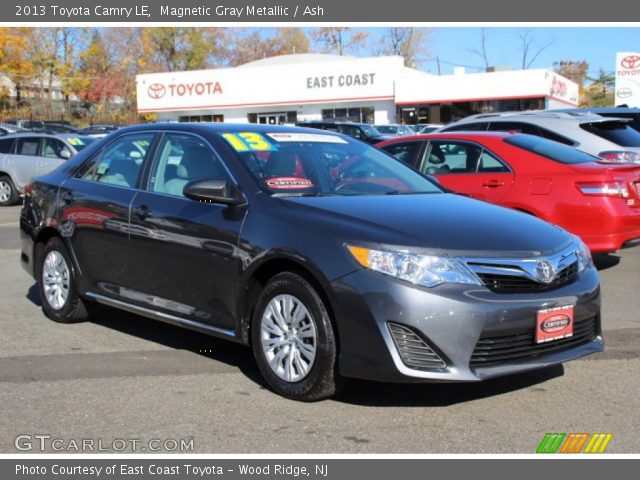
<point>184,253</point>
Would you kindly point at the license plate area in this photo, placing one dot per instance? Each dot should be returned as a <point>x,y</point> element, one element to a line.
<point>554,323</point>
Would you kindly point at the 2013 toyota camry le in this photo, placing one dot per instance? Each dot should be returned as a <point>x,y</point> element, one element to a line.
<point>331,259</point>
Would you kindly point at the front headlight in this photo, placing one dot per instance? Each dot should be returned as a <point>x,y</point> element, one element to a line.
<point>425,270</point>
<point>584,255</point>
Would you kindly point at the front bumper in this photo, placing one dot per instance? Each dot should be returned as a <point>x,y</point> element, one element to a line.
<point>452,319</point>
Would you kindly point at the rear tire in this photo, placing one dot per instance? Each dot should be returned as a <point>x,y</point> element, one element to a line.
<point>293,340</point>
<point>8,192</point>
<point>57,285</point>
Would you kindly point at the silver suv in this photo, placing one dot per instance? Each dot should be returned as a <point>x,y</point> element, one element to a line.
<point>612,139</point>
<point>24,156</point>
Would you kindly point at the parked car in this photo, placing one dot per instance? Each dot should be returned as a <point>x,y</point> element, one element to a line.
<point>99,131</point>
<point>52,127</point>
<point>360,131</point>
<point>27,155</point>
<point>327,256</point>
<point>23,124</point>
<point>610,138</point>
<point>633,114</point>
<point>430,127</point>
<point>6,128</point>
<point>394,129</point>
<point>598,202</point>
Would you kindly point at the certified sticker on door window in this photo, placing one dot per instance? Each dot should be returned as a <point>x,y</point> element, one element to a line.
<point>289,183</point>
<point>305,137</point>
<point>248,142</point>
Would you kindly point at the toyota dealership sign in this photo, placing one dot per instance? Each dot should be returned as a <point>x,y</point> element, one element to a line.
<point>628,79</point>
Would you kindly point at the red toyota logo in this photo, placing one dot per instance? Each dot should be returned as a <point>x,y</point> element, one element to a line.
<point>630,62</point>
<point>156,90</point>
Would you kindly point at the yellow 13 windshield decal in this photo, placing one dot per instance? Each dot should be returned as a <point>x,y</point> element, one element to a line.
<point>248,141</point>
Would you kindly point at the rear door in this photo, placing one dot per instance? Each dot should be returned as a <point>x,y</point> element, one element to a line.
<point>52,154</point>
<point>94,211</point>
<point>468,168</point>
<point>23,163</point>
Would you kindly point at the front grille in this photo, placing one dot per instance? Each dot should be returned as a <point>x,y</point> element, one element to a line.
<point>516,284</point>
<point>413,350</point>
<point>523,347</point>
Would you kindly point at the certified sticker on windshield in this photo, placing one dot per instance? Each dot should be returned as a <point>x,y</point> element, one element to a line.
<point>305,137</point>
<point>289,183</point>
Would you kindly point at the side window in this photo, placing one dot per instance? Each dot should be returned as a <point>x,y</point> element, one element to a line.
<point>120,162</point>
<point>5,145</point>
<point>443,157</point>
<point>183,159</point>
<point>405,152</point>
<point>519,127</point>
<point>28,146</point>
<point>490,164</point>
<point>556,138</point>
<point>468,127</point>
<point>53,148</point>
<point>352,131</point>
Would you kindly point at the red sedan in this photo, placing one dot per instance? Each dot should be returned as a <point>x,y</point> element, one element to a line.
<point>597,201</point>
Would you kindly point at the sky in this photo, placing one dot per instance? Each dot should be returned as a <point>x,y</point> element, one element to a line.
<point>596,45</point>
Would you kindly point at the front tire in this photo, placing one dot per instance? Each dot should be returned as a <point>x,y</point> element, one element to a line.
<point>8,192</point>
<point>57,284</point>
<point>293,340</point>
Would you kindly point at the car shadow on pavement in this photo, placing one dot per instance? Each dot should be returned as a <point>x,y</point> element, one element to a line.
<point>356,392</point>
<point>603,261</point>
<point>374,394</point>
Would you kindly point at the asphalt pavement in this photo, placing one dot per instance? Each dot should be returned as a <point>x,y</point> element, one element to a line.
<point>124,377</point>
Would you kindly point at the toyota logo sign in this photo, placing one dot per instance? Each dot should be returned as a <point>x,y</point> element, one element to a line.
<point>156,90</point>
<point>624,92</point>
<point>630,62</point>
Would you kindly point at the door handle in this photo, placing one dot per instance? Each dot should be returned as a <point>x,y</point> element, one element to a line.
<point>493,184</point>
<point>142,212</point>
<point>67,197</point>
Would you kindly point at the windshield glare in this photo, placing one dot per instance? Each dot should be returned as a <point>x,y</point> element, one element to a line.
<point>370,130</point>
<point>288,164</point>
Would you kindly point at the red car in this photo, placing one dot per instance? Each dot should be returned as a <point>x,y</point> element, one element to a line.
<point>598,202</point>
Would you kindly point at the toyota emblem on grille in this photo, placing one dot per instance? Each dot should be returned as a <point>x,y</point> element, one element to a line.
<point>544,271</point>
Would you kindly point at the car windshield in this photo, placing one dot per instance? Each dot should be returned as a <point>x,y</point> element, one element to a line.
<point>80,143</point>
<point>309,164</point>
<point>555,151</point>
<point>617,132</point>
<point>370,130</point>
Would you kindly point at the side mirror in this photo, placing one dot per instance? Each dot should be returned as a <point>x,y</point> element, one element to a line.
<point>65,154</point>
<point>214,190</point>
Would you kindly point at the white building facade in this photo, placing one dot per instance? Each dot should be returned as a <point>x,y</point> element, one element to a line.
<point>298,88</point>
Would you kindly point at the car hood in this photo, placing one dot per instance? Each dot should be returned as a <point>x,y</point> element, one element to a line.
<point>434,222</point>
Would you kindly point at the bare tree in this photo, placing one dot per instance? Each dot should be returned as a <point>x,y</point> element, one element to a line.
<point>408,42</point>
<point>531,48</point>
<point>481,51</point>
<point>340,40</point>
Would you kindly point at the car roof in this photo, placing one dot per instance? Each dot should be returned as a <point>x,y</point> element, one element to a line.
<point>203,127</point>
<point>549,115</point>
<point>457,135</point>
<point>600,110</point>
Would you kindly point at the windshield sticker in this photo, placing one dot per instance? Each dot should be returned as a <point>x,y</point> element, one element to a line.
<point>248,142</point>
<point>289,183</point>
<point>305,137</point>
<point>75,141</point>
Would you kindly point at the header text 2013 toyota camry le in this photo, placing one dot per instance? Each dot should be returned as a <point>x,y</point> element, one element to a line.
<point>329,257</point>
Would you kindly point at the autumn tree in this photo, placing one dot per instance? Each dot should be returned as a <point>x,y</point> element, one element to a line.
<point>181,48</point>
<point>13,60</point>
<point>601,91</point>
<point>408,42</point>
<point>572,69</point>
<point>339,40</point>
<point>247,45</point>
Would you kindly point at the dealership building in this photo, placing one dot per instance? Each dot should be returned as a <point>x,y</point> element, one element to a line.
<point>304,87</point>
